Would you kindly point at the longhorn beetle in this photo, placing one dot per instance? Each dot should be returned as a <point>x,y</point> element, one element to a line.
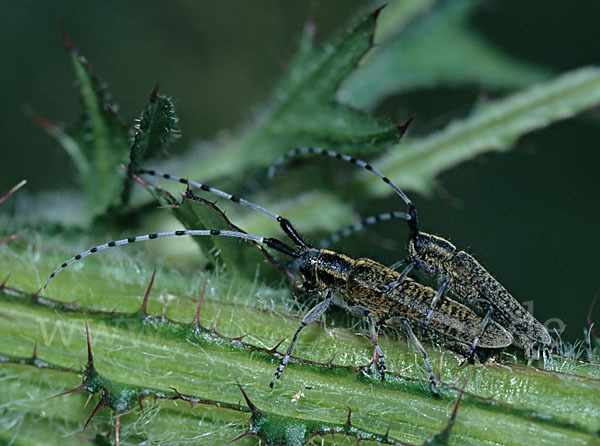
<point>458,271</point>
<point>359,282</point>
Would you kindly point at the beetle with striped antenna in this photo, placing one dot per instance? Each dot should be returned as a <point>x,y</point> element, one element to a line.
<point>458,271</point>
<point>360,283</point>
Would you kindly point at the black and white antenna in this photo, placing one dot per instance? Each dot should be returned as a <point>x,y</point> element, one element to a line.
<point>412,218</point>
<point>270,242</point>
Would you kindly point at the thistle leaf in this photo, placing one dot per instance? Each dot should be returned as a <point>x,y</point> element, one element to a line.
<point>436,49</point>
<point>493,126</point>
<point>156,128</point>
<point>304,112</point>
<point>99,143</point>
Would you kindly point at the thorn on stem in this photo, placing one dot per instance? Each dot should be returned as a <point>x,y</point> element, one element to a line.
<point>117,425</point>
<point>197,316</point>
<point>239,338</point>
<point>140,399</point>
<point>386,437</point>
<point>274,349</point>
<point>34,296</point>
<point>403,127</point>
<point>348,422</point>
<point>589,319</point>
<point>164,307</point>
<point>457,379</point>
<point>401,371</point>
<point>144,306</point>
<point>458,401</point>
<point>250,404</point>
<point>239,437</point>
<point>214,326</point>
<point>4,282</point>
<point>89,346</point>
<point>177,394</point>
<point>13,190</point>
<point>330,362</point>
<point>68,44</point>
<point>98,406</point>
<point>154,94</point>
<point>76,389</point>
<point>87,401</point>
<point>46,125</point>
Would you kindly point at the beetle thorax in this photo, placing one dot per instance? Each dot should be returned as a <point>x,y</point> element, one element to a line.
<point>431,249</point>
<point>322,269</point>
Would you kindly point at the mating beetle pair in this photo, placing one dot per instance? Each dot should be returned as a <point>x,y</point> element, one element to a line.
<point>458,271</point>
<point>381,294</point>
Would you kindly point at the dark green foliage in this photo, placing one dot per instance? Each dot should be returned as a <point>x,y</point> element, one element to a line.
<point>304,111</point>
<point>417,57</point>
<point>155,129</point>
<point>98,144</point>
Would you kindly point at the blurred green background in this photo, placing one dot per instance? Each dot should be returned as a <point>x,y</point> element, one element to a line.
<point>530,216</point>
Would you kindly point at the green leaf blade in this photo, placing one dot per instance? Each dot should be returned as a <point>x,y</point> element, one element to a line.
<point>493,126</point>
<point>157,127</point>
<point>98,144</point>
<point>436,50</point>
<point>239,256</point>
<point>103,139</point>
<point>304,111</point>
